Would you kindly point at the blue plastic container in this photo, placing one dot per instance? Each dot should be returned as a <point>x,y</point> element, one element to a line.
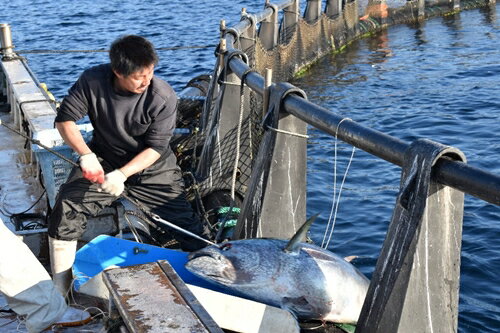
<point>105,251</point>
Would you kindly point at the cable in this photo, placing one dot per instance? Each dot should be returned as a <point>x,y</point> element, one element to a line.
<point>16,218</point>
<point>172,48</point>
<point>335,201</point>
<point>27,210</point>
<point>138,238</point>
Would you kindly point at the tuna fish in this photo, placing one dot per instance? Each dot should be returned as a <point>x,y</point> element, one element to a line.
<point>308,281</point>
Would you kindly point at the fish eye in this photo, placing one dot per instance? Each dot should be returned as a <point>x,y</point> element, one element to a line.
<point>226,246</point>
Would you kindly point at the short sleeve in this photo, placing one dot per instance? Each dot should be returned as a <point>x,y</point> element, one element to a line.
<point>162,127</point>
<point>75,105</point>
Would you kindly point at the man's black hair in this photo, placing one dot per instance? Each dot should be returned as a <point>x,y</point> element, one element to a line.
<point>128,54</point>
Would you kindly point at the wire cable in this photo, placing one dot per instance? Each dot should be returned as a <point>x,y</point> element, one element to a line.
<point>172,48</point>
<point>335,200</point>
<point>10,214</point>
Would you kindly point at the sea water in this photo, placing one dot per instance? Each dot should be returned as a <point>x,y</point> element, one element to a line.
<point>438,80</point>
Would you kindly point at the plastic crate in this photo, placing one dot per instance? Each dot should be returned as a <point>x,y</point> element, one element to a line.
<point>55,170</point>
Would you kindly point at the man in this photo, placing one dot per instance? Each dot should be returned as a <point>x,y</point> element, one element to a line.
<point>133,114</point>
<point>28,289</point>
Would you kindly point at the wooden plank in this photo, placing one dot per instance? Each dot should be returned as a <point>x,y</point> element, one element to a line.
<point>148,301</point>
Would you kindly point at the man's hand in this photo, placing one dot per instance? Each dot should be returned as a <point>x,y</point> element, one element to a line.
<point>91,168</point>
<point>114,182</point>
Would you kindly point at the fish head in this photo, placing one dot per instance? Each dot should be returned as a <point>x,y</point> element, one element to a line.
<point>232,264</point>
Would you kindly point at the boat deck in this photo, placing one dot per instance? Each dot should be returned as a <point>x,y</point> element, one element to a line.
<point>18,188</point>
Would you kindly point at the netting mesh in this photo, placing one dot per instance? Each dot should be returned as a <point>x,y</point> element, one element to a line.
<point>306,42</point>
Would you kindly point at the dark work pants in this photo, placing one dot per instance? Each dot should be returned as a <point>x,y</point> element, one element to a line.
<point>160,188</point>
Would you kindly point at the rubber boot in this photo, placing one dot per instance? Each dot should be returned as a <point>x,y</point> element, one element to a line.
<point>62,255</point>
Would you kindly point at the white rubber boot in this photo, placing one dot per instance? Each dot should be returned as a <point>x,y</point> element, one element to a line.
<point>62,255</point>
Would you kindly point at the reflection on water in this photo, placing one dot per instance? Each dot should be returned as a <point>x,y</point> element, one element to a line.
<point>376,9</point>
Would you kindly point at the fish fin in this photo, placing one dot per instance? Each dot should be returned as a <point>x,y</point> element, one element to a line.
<point>290,311</point>
<point>294,243</point>
<point>350,258</point>
<point>300,307</point>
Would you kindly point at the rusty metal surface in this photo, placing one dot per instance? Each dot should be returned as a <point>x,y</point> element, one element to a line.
<point>189,298</point>
<point>149,302</point>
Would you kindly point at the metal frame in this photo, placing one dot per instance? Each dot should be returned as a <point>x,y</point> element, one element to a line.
<point>401,295</point>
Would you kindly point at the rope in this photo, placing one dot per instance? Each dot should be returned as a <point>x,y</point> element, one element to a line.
<point>222,81</point>
<point>227,224</point>
<point>172,48</point>
<point>228,217</point>
<point>249,219</point>
<point>287,132</point>
<point>336,202</point>
<point>133,230</point>
<point>226,210</point>
<point>248,38</point>
<point>229,83</point>
<point>238,132</point>
<point>196,189</point>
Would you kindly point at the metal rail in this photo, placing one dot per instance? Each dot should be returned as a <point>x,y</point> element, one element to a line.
<point>247,19</point>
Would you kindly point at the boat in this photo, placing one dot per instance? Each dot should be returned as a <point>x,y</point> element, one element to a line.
<point>225,117</point>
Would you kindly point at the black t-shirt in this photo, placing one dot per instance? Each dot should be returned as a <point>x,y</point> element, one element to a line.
<point>124,124</point>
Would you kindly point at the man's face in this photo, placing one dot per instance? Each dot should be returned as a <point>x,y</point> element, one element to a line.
<point>136,82</point>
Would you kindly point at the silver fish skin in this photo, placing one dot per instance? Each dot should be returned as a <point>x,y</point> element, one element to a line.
<point>311,283</point>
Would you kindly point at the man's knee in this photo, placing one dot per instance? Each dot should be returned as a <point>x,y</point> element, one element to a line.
<point>65,222</point>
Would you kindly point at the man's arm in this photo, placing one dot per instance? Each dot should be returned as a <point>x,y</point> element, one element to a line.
<point>140,162</point>
<point>90,165</point>
<point>114,182</point>
<point>72,136</point>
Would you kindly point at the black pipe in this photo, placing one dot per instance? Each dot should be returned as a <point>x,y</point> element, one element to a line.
<point>468,179</point>
<point>374,142</point>
<point>246,21</point>
<point>479,183</point>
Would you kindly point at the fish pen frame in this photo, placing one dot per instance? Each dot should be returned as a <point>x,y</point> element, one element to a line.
<point>416,279</point>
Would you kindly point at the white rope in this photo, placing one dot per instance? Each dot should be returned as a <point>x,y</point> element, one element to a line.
<point>230,83</point>
<point>219,153</point>
<point>336,201</point>
<point>238,138</point>
<point>250,137</point>
<point>249,38</point>
<point>287,132</point>
<point>21,323</point>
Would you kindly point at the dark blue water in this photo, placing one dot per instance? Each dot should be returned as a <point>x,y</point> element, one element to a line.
<point>439,80</point>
